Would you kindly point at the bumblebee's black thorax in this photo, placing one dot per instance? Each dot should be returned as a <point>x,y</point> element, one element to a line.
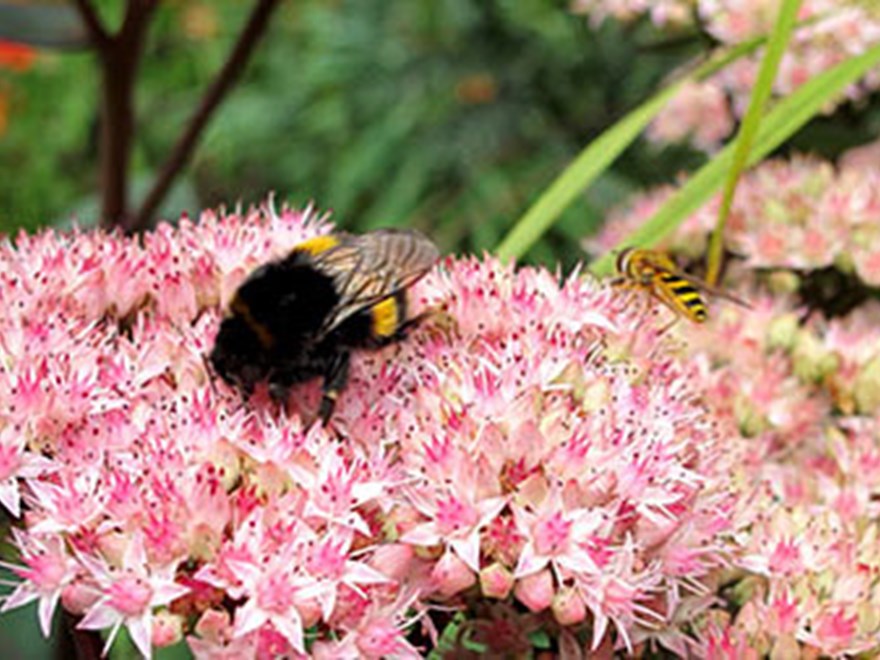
<point>286,301</point>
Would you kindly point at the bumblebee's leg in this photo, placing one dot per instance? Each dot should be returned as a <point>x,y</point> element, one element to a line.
<point>334,380</point>
<point>411,324</point>
<point>436,319</point>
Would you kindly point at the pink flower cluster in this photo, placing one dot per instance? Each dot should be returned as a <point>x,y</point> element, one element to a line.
<point>663,13</point>
<point>834,31</point>
<point>807,396</point>
<point>540,449</point>
<point>800,213</point>
<point>804,392</point>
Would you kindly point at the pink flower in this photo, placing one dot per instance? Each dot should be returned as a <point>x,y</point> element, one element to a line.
<point>129,595</point>
<point>454,522</point>
<point>17,463</point>
<point>556,536</point>
<point>272,590</point>
<point>379,634</point>
<point>48,570</point>
<point>699,111</point>
<point>833,632</point>
<point>328,566</point>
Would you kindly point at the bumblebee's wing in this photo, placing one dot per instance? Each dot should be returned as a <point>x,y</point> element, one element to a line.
<point>367,268</point>
<point>708,288</point>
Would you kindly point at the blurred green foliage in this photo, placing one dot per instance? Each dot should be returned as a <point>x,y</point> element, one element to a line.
<point>450,116</point>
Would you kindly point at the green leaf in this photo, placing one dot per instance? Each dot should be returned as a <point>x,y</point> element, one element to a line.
<point>596,158</point>
<point>48,26</point>
<point>776,46</point>
<point>788,116</point>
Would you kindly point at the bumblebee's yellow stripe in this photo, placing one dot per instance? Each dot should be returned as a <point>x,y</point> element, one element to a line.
<point>318,244</point>
<point>386,317</point>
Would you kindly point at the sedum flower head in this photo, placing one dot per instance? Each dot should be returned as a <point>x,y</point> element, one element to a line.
<point>832,32</point>
<point>544,444</point>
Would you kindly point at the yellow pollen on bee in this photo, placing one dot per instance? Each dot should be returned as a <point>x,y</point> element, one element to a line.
<point>385,317</point>
<point>318,244</point>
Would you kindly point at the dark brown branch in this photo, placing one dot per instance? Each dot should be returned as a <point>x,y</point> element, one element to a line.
<point>227,75</point>
<point>96,30</point>
<point>120,59</point>
<point>87,644</point>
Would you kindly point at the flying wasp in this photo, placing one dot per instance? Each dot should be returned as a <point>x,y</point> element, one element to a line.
<point>657,273</point>
<point>301,316</point>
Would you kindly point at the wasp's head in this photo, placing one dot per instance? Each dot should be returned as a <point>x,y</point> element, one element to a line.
<point>622,261</point>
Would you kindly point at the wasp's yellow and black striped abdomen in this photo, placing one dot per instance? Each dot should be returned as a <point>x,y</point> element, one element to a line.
<point>300,317</point>
<point>683,296</point>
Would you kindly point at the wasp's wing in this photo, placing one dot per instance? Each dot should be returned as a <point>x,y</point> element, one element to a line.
<point>367,268</point>
<point>708,288</point>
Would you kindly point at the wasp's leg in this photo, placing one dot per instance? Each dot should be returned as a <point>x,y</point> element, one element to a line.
<point>334,380</point>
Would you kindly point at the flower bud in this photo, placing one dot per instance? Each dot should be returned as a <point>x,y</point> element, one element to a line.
<point>394,560</point>
<point>785,647</point>
<point>811,361</point>
<point>399,521</point>
<point>496,581</point>
<point>225,459</point>
<point>568,607</point>
<point>78,596</point>
<point>782,331</point>
<point>750,421</point>
<point>535,591</point>
<point>451,575</point>
<point>783,282</point>
<point>867,387</point>
<point>309,609</point>
<point>215,626</point>
<point>167,629</point>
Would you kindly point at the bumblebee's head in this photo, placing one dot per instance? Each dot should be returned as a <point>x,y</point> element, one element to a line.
<point>237,356</point>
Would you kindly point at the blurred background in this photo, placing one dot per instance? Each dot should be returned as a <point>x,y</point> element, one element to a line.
<point>448,116</point>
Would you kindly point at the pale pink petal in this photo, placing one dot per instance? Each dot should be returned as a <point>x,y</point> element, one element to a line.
<point>140,629</point>
<point>248,618</point>
<point>10,496</point>
<point>100,616</point>
<point>45,611</point>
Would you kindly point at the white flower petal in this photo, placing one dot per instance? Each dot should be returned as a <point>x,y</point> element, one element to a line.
<point>45,610</point>
<point>100,616</point>
<point>248,618</point>
<point>10,497</point>
<point>141,631</point>
<point>24,593</point>
<point>291,628</point>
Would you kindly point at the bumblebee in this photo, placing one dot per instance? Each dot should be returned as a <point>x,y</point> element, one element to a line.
<point>658,274</point>
<point>301,316</point>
